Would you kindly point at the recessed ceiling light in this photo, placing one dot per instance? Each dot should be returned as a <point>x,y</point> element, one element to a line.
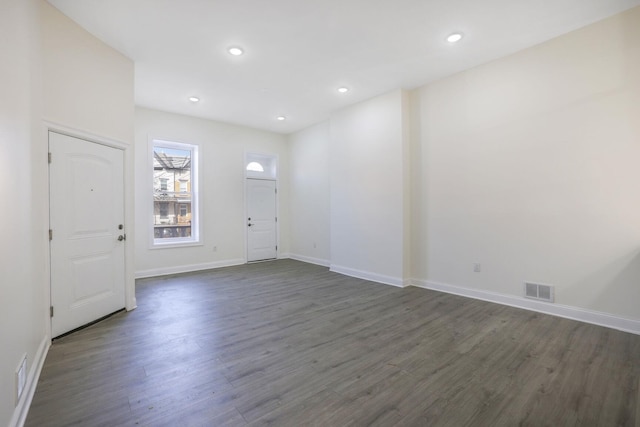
<point>236,51</point>
<point>194,99</point>
<point>281,118</point>
<point>455,37</point>
<point>343,89</point>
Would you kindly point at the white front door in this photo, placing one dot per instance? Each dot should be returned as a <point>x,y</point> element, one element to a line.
<point>87,231</point>
<point>262,237</point>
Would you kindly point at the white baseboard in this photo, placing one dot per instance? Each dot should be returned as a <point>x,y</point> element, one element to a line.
<point>367,275</point>
<point>187,268</point>
<point>22,409</point>
<point>569,312</point>
<point>311,260</point>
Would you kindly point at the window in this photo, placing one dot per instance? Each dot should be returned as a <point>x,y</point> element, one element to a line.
<point>174,193</point>
<point>163,207</point>
<point>255,167</point>
<point>260,165</point>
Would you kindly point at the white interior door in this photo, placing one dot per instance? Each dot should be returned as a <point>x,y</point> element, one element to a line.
<point>87,231</point>
<point>262,237</point>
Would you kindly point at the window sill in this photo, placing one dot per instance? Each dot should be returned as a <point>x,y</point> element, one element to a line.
<point>169,245</point>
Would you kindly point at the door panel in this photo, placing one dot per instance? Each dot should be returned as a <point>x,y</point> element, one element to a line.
<point>261,220</point>
<point>86,208</point>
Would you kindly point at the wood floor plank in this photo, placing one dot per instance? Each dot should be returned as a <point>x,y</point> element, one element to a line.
<point>288,344</point>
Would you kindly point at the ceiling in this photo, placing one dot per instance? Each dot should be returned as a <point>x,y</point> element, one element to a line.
<point>299,52</point>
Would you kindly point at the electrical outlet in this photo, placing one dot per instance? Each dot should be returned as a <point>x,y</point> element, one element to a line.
<point>21,378</point>
<point>476,267</point>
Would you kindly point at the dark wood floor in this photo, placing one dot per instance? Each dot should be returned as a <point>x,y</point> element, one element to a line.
<point>288,344</point>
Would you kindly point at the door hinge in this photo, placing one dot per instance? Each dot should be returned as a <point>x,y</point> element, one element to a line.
<point>276,219</point>
<point>276,190</point>
<point>276,247</point>
<point>49,158</point>
<point>51,311</point>
<point>50,234</point>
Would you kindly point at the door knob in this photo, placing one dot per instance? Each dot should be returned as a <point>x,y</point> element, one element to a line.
<point>122,237</point>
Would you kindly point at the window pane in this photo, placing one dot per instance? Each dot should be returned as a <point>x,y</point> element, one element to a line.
<point>164,210</point>
<point>255,167</point>
<point>172,197</point>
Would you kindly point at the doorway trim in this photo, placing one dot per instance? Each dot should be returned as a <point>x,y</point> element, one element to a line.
<point>129,190</point>
<point>271,161</point>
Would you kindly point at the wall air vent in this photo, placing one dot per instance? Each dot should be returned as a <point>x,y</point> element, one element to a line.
<point>538,291</point>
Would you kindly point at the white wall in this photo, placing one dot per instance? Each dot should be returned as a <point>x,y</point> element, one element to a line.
<point>529,166</point>
<point>87,85</point>
<point>368,170</point>
<point>309,198</point>
<point>222,149</point>
<point>22,248</point>
<point>51,69</point>
<point>526,165</point>
<point>88,92</point>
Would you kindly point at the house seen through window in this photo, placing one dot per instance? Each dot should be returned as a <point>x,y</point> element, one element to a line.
<point>174,199</point>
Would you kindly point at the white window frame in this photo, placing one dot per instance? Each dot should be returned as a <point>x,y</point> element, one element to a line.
<point>195,239</point>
